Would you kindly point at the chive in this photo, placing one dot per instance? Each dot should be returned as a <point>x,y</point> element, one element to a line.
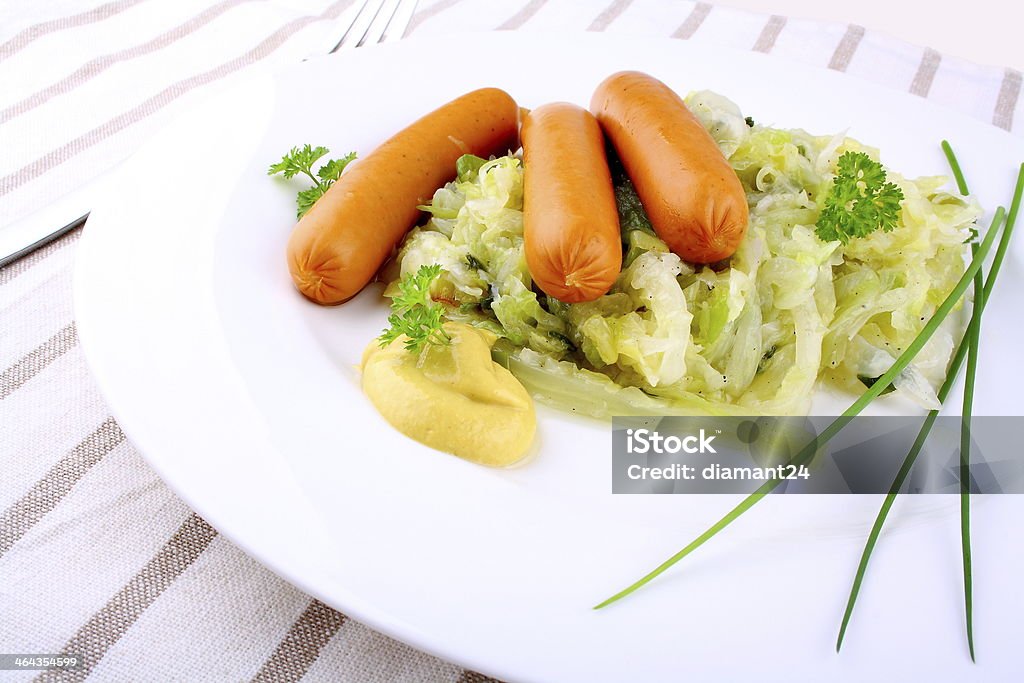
<point>837,425</point>
<point>958,175</point>
<point>954,369</point>
<point>1011,219</point>
<point>890,498</point>
<point>981,294</point>
<point>973,337</point>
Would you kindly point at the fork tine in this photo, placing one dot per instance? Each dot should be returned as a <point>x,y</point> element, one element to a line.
<point>338,29</point>
<point>353,36</point>
<point>395,29</point>
<point>375,32</point>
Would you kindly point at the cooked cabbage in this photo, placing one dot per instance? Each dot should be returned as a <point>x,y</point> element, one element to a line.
<point>754,337</point>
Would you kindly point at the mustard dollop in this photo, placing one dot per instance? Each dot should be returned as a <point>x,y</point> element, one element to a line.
<point>452,397</point>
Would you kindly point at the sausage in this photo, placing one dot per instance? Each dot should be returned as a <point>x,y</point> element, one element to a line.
<point>693,198</point>
<point>570,220</point>
<point>338,246</point>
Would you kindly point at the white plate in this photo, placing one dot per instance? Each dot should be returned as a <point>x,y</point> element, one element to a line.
<point>246,400</point>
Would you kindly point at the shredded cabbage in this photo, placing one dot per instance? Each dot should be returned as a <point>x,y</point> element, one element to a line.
<point>755,337</point>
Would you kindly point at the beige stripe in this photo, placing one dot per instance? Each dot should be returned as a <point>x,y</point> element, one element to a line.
<point>44,495</point>
<point>769,34</point>
<point>1006,103</point>
<point>16,268</point>
<point>696,17</point>
<point>473,677</point>
<point>65,152</point>
<point>88,17</point>
<point>922,82</point>
<point>108,625</point>
<point>427,13</point>
<point>97,66</point>
<point>301,646</point>
<point>522,16</point>
<point>35,361</point>
<point>847,46</point>
<point>610,14</point>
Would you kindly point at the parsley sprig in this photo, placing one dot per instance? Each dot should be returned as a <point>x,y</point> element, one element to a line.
<point>414,313</point>
<point>301,160</point>
<point>860,200</point>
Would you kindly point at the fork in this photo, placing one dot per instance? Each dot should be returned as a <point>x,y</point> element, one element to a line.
<point>372,21</point>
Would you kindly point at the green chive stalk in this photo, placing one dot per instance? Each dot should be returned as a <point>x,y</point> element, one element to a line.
<point>974,335</point>
<point>954,369</point>
<point>837,425</point>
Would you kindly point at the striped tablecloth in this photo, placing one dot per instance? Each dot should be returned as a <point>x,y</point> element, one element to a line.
<point>97,556</point>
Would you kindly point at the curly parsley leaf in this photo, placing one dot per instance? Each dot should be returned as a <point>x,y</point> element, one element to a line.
<point>414,313</point>
<point>859,202</point>
<point>305,199</point>
<point>301,160</point>
<point>331,171</point>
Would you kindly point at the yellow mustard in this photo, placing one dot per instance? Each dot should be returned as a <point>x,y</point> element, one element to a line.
<point>452,397</point>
